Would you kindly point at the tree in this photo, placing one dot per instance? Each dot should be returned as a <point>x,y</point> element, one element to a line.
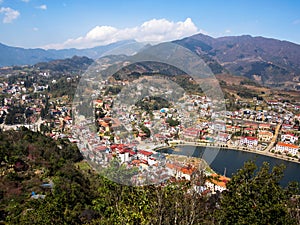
<point>146,130</point>
<point>255,197</point>
<point>172,122</point>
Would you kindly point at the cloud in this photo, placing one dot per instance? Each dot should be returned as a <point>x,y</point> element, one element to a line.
<point>35,29</point>
<point>25,1</point>
<point>9,14</point>
<point>227,31</point>
<point>153,31</point>
<point>42,7</point>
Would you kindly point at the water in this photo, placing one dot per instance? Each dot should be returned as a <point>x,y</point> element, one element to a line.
<point>233,160</point>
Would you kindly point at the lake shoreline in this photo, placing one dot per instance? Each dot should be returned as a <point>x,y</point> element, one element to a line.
<point>235,148</point>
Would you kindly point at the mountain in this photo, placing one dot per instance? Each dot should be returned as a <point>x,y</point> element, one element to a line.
<point>76,64</point>
<point>20,56</point>
<point>268,61</point>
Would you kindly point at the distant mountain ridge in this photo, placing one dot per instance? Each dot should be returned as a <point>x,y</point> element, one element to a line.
<point>268,61</point>
<point>11,56</point>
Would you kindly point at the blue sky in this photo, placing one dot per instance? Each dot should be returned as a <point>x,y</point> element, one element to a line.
<point>86,23</point>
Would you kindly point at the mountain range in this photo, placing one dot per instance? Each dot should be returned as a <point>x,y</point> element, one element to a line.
<point>267,61</point>
<point>11,56</point>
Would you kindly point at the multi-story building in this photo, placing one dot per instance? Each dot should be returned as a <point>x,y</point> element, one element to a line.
<point>287,148</point>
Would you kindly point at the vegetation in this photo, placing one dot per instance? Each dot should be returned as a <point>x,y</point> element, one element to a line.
<point>172,122</point>
<point>255,197</point>
<point>80,195</point>
<point>152,103</point>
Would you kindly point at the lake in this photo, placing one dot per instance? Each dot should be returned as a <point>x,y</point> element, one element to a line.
<point>232,160</point>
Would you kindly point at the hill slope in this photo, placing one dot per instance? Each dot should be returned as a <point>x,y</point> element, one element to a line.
<point>269,61</point>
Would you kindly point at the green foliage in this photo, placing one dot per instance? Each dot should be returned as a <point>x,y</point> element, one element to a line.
<point>172,122</point>
<point>15,115</point>
<point>146,130</point>
<point>114,90</point>
<point>152,103</point>
<point>80,196</point>
<point>247,94</point>
<point>63,87</point>
<point>255,197</point>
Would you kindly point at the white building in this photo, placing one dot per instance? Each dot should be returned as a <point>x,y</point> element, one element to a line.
<point>249,141</point>
<point>291,138</point>
<point>217,183</point>
<point>287,148</point>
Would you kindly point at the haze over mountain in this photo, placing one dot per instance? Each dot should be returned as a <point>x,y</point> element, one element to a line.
<point>268,61</point>
<point>20,56</point>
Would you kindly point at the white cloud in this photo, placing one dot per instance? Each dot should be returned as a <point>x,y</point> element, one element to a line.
<point>9,14</point>
<point>35,29</point>
<point>153,31</point>
<point>227,31</point>
<point>42,7</point>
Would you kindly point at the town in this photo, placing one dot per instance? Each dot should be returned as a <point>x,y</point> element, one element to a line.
<point>105,128</point>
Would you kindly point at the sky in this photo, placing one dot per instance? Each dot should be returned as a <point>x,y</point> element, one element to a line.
<point>87,23</point>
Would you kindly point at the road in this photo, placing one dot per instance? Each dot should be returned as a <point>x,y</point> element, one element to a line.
<point>272,143</point>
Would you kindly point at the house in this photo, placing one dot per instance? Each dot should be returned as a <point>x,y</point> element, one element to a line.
<point>142,154</point>
<point>98,104</point>
<point>286,127</point>
<point>217,183</point>
<point>265,136</point>
<point>289,138</point>
<point>251,125</point>
<point>219,126</point>
<point>249,141</point>
<point>191,133</point>
<point>249,131</point>
<point>264,126</point>
<point>272,102</point>
<point>180,171</point>
<point>287,148</point>
<point>223,137</point>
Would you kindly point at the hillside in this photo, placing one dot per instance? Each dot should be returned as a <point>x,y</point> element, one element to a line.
<point>75,64</point>
<point>44,181</point>
<point>268,61</point>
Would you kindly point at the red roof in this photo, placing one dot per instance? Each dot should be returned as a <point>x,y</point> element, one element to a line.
<point>250,138</point>
<point>101,148</point>
<point>287,145</point>
<point>146,153</point>
<point>131,153</point>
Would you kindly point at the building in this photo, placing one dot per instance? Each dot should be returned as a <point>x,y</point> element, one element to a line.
<point>217,183</point>
<point>223,137</point>
<point>249,141</point>
<point>290,138</point>
<point>191,133</point>
<point>249,131</point>
<point>181,171</point>
<point>264,126</point>
<point>142,154</point>
<point>287,148</point>
<point>265,136</point>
